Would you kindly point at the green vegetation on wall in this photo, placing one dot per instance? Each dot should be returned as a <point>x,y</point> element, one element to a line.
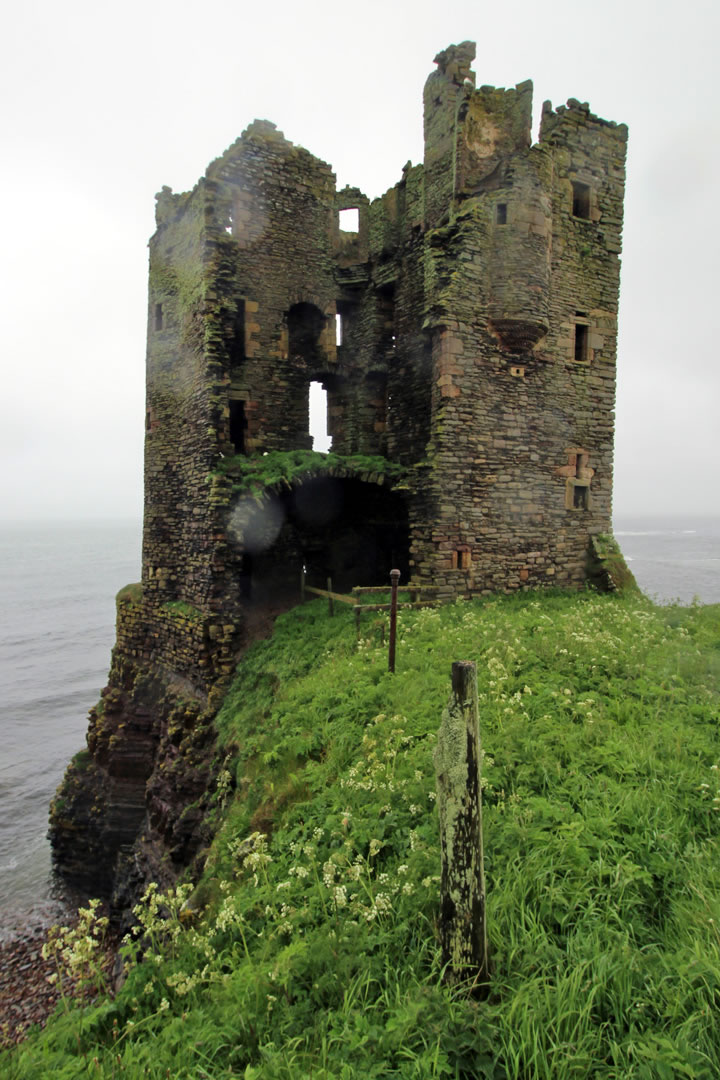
<point>283,468</point>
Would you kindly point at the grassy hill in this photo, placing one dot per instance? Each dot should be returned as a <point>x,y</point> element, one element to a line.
<point>309,947</point>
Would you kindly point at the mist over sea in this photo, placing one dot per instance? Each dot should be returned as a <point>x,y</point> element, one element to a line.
<point>57,612</point>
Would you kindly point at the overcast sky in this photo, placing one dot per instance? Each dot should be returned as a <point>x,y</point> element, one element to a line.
<point>103,104</point>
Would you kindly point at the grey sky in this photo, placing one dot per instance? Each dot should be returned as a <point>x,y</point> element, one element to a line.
<point>102,105</point>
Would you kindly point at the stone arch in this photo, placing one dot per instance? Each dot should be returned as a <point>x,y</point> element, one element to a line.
<point>331,524</point>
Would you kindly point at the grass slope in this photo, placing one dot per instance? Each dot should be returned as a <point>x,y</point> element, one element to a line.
<point>309,948</point>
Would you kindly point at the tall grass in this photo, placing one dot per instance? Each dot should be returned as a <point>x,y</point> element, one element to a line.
<point>309,947</point>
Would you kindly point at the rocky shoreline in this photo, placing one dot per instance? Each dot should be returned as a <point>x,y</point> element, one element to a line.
<point>27,996</point>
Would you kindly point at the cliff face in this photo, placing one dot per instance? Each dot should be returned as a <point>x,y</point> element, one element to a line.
<point>132,807</point>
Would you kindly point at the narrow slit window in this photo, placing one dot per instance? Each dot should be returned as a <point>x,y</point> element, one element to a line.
<point>338,329</point>
<point>158,316</point>
<point>237,350</point>
<point>318,418</point>
<point>238,426</point>
<point>581,199</point>
<point>581,344</point>
<point>461,558</point>
<point>350,220</point>
<point>501,213</point>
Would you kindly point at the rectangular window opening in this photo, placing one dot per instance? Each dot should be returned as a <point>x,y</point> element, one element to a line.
<point>581,344</point>
<point>238,425</point>
<point>318,418</point>
<point>580,497</point>
<point>158,317</point>
<point>338,329</point>
<point>349,219</point>
<point>581,199</point>
<point>501,213</point>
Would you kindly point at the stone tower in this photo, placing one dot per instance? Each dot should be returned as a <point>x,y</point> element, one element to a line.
<point>478,306</point>
<point>465,334</point>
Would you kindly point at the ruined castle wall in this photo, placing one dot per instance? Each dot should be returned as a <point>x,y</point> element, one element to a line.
<point>479,301</point>
<point>181,437</point>
<point>409,366</point>
<point>275,211</point>
<point>589,154</point>
<point>522,401</point>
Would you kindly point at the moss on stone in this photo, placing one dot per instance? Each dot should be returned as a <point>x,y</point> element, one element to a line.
<point>256,474</point>
<point>179,608</point>
<point>81,761</point>
<point>130,594</point>
<point>607,569</point>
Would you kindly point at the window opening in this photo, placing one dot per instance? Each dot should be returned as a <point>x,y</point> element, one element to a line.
<point>581,343</point>
<point>237,349</point>
<point>305,324</point>
<point>350,219</point>
<point>238,425</point>
<point>580,497</point>
<point>581,199</point>
<point>158,317</point>
<point>317,419</point>
<point>501,213</point>
<point>461,558</point>
<point>338,329</point>
<point>229,226</point>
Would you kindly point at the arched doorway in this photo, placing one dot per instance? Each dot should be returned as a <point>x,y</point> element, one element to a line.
<point>329,527</point>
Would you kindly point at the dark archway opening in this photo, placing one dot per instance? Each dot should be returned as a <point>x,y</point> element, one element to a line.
<point>343,529</point>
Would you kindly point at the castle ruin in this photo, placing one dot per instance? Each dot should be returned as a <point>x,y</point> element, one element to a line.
<point>464,332</point>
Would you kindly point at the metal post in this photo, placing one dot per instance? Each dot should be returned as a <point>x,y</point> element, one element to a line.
<point>394,579</point>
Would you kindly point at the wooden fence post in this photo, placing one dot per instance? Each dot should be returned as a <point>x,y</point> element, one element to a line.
<point>394,579</point>
<point>463,931</point>
<point>331,604</point>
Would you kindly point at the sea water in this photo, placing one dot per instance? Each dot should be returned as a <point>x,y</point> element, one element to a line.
<point>674,559</point>
<point>57,613</point>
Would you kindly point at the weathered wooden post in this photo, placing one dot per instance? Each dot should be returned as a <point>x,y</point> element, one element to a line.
<point>394,579</point>
<point>331,604</point>
<point>463,930</point>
